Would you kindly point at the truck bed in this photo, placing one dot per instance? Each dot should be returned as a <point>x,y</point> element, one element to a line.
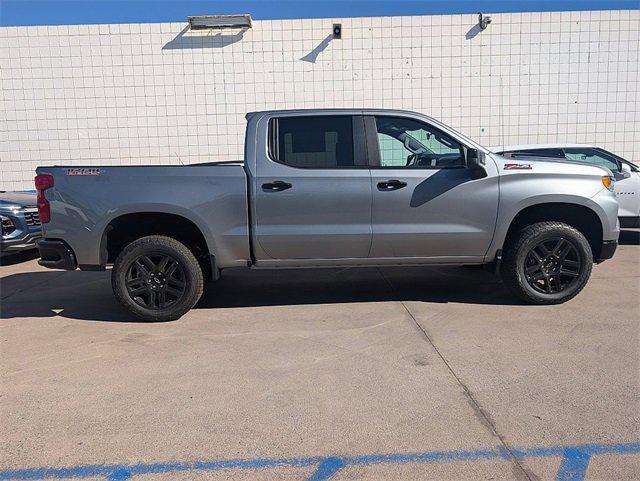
<point>213,196</point>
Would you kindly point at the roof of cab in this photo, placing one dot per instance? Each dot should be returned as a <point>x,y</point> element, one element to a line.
<point>331,111</point>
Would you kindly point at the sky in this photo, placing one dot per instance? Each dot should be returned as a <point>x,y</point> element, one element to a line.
<point>70,12</point>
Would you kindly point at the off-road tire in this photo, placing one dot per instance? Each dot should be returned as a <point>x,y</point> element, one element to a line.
<point>518,248</point>
<point>158,245</point>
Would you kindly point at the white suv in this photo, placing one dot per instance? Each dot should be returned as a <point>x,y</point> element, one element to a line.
<point>627,174</point>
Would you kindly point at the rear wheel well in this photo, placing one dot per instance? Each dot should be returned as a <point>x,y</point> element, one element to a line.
<point>127,228</point>
<point>582,218</point>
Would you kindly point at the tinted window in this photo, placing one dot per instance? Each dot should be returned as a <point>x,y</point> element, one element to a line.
<point>322,142</point>
<point>592,156</point>
<point>552,153</point>
<point>412,144</point>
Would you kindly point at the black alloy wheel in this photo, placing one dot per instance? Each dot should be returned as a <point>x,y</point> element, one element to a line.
<point>552,265</point>
<point>547,262</point>
<point>155,281</point>
<point>157,278</point>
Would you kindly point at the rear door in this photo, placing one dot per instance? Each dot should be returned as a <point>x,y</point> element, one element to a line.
<point>313,189</point>
<point>425,202</point>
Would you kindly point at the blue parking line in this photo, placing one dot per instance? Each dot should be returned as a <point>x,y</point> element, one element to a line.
<point>573,465</point>
<point>120,475</point>
<point>327,468</point>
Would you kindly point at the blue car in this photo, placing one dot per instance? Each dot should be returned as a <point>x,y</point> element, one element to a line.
<point>20,222</point>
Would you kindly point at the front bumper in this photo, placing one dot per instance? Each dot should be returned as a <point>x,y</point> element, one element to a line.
<point>56,254</point>
<point>607,250</point>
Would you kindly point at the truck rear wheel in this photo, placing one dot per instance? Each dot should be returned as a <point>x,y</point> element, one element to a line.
<point>157,278</point>
<point>547,263</point>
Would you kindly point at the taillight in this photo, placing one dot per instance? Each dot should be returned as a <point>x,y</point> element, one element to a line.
<point>43,182</point>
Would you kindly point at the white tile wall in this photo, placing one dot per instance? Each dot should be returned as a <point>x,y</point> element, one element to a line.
<point>157,93</point>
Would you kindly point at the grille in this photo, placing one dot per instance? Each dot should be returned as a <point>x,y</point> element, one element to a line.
<point>31,217</point>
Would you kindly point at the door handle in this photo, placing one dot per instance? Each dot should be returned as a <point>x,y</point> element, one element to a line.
<point>392,184</point>
<point>276,186</point>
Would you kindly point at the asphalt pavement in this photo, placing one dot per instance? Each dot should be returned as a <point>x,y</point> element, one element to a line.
<point>341,374</point>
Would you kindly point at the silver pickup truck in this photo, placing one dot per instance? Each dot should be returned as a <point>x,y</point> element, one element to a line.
<point>329,188</point>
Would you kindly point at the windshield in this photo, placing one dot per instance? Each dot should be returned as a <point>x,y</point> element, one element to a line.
<point>633,166</point>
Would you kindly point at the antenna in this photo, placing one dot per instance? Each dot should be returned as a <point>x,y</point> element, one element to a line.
<point>502,113</point>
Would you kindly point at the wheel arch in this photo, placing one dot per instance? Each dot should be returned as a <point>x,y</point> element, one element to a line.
<point>126,227</point>
<point>579,216</point>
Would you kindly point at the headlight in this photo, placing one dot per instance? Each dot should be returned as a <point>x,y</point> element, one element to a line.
<point>608,181</point>
<point>7,225</point>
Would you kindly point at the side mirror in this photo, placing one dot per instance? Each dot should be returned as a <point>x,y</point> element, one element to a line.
<point>476,163</point>
<point>625,170</point>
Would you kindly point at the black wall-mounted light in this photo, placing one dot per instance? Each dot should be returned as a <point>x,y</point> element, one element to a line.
<point>337,30</point>
<point>483,21</point>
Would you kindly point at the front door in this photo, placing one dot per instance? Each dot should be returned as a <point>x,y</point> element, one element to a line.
<point>425,202</point>
<point>313,190</point>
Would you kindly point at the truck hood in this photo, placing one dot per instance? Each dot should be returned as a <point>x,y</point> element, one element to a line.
<point>561,166</point>
<point>17,198</point>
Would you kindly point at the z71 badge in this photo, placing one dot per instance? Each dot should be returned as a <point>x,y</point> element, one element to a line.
<point>83,171</point>
<point>514,166</point>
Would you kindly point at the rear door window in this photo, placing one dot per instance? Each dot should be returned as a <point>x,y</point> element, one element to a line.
<point>322,142</point>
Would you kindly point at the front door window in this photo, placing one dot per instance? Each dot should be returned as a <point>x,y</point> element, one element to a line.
<point>406,143</point>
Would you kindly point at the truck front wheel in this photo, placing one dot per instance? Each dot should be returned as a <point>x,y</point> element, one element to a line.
<point>157,278</point>
<point>547,263</point>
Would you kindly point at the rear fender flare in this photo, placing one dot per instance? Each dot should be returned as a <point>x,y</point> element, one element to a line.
<point>153,208</point>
